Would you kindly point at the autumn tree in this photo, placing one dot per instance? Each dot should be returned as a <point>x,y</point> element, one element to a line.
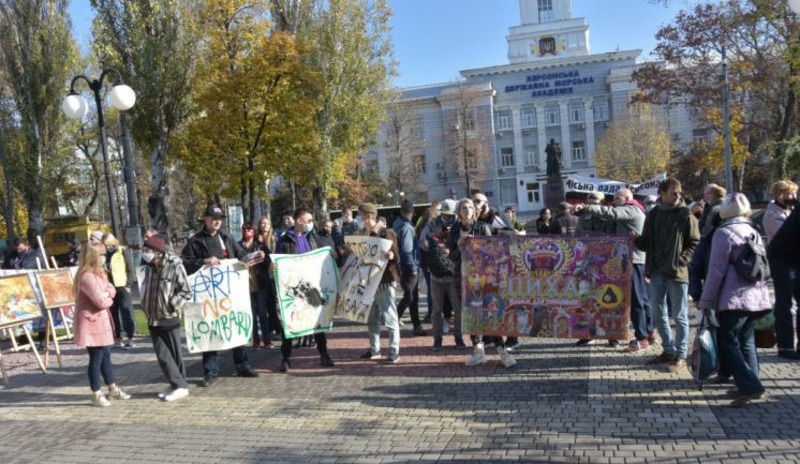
<point>37,55</point>
<point>153,44</point>
<point>636,148</point>
<point>254,105</point>
<point>467,132</point>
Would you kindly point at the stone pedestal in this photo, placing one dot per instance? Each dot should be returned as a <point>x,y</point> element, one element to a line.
<point>554,191</point>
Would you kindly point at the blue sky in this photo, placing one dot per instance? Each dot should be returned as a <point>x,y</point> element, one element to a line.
<point>435,39</point>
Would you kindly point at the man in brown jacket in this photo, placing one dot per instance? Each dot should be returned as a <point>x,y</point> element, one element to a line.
<point>384,307</point>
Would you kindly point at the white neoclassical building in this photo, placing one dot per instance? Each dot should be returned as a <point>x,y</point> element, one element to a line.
<point>551,88</point>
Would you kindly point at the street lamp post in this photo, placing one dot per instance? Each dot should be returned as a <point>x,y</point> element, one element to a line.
<point>123,98</point>
<point>726,125</point>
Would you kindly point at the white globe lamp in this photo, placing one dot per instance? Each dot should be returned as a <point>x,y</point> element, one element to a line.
<point>123,97</point>
<point>74,106</point>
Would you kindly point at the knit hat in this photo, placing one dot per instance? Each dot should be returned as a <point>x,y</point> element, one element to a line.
<point>368,208</point>
<point>448,207</point>
<point>156,243</point>
<point>735,205</point>
<point>595,196</point>
<point>97,235</point>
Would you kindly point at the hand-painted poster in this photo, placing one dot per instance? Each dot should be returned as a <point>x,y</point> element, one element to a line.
<point>18,302</point>
<point>547,286</point>
<point>219,317</point>
<point>306,286</point>
<point>56,287</point>
<point>361,275</point>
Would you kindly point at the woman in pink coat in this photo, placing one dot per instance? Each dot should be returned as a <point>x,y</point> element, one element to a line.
<point>94,295</point>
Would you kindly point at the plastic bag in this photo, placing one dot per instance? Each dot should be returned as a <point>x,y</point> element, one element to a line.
<point>704,361</point>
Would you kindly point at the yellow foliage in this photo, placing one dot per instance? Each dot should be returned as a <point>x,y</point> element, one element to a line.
<point>635,149</point>
<point>712,152</point>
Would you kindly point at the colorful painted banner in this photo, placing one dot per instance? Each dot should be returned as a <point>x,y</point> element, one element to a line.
<point>361,275</point>
<point>306,286</point>
<point>56,287</point>
<point>219,317</point>
<point>547,286</point>
<point>18,302</point>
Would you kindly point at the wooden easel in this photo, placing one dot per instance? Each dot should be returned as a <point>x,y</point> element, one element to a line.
<point>24,325</point>
<point>50,328</point>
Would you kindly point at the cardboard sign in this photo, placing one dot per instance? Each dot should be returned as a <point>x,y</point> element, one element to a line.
<point>361,275</point>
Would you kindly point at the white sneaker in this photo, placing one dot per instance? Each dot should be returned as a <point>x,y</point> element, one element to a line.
<point>505,357</point>
<point>164,393</point>
<point>177,394</point>
<point>117,393</point>
<point>478,356</point>
<point>99,399</point>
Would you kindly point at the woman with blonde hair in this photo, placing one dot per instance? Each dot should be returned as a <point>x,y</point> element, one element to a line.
<point>266,234</point>
<point>121,272</point>
<point>94,295</point>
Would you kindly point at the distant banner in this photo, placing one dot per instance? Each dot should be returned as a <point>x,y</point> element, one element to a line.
<point>361,275</point>
<point>307,285</point>
<point>542,286</point>
<point>219,316</point>
<point>582,184</point>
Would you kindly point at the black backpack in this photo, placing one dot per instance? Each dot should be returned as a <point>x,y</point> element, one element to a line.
<point>439,262</point>
<point>750,258</point>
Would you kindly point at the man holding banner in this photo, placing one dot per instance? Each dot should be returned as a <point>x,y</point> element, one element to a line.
<point>207,248</point>
<point>383,306</point>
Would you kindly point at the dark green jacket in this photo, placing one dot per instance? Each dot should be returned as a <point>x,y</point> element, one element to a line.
<point>669,237</point>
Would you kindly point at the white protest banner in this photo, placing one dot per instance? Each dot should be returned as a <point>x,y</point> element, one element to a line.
<point>306,286</point>
<point>219,316</point>
<point>361,275</point>
<point>583,184</point>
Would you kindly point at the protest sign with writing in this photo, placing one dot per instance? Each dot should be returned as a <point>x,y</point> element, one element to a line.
<point>361,275</point>
<point>306,286</point>
<point>582,184</point>
<point>559,286</point>
<point>219,316</point>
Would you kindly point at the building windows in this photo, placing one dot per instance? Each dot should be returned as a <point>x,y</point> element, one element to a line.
<point>508,192</point>
<point>553,116</point>
<point>699,135</point>
<point>506,157</point>
<point>503,121</point>
<point>530,155</point>
<point>419,164</point>
<point>600,110</point>
<point>579,151</point>
<point>576,113</point>
<point>546,11</point>
<point>534,192</point>
<point>528,118</point>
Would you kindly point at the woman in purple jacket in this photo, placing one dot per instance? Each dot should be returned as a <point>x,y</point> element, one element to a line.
<point>739,303</point>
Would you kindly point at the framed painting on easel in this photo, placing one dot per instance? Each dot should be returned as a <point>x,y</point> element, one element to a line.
<point>18,306</point>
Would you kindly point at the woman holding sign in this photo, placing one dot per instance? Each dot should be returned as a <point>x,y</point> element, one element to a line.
<point>93,328</point>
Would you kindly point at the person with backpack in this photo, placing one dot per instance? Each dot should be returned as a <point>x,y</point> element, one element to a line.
<point>738,299</point>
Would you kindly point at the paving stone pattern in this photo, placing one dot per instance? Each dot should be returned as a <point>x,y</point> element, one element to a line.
<point>559,404</point>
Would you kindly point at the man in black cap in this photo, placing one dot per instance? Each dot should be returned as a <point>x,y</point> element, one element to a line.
<point>207,248</point>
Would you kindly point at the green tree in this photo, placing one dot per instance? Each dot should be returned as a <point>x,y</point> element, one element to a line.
<point>37,54</point>
<point>153,44</point>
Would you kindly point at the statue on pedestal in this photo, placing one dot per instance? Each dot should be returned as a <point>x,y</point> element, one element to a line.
<point>553,152</point>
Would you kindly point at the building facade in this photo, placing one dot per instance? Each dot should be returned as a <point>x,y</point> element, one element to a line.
<point>498,121</point>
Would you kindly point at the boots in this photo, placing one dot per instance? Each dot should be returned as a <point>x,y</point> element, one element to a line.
<point>99,399</point>
<point>505,358</point>
<point>478,356</point>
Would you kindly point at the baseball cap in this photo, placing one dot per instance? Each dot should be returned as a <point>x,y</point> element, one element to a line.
<point>215,211</point>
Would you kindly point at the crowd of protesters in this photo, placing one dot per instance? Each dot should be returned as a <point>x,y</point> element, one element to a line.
<point>684,252</point>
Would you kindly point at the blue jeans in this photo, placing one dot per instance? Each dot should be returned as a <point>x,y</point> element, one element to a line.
<point>737,345</point>
<point>669,297</point>
<point>100,363</point>
<point>384,310</point>
<point>258,306</point>
<point>641,314</point>
<point>786,281</point>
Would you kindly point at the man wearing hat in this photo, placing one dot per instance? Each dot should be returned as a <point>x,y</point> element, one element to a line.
<point>165,292</point>
<point>565,223</point>
<point>207,248</point>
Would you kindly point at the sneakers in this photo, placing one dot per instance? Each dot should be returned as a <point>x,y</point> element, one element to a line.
<point>677,365</point>
<point>393,359</point>
<point>511,344</point>
<point>116,393</point>
<point>371,356</point>
<point>326,360</point>
<point>651,337</point>
<point>613,343</point>
<point>663,358</point>
<point>742,399</point>
<point>505,358</point>
<point>478,356</point>
<point>268,345</point>
<point>245,370</point>
<point>177,394</point>
<point>99,399</point>
<point>584,342</point>
<point>419,331</point>
<point>286,364</point>
<point>164,393</point>
<point>788,354</point>
<point>460,343</point>
<point>129,345</point>
<point>208,380</point>
<point>720,379</point>
<point>636,346</point>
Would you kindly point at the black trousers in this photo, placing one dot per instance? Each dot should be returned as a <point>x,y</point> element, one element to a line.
<point>167,345</point>
<point>122,312</point>
<point>409,282</point>
<point>319,338</point>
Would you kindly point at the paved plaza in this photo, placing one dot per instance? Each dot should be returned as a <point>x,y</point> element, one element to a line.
<point>559,404</point>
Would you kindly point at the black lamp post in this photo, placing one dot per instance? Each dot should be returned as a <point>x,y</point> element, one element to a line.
<point>122,98</point>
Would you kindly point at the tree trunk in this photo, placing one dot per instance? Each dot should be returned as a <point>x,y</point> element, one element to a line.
<point>157,203</point>
<point>35,222</point>
<point>8,204</point>
<point>320,202</point>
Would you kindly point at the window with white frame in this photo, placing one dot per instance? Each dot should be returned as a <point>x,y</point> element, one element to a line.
<point>534,192</point>
<point>546,11</point>
<point>576,112</point>
<point>528,118</point>
<point>508,192</point>
<point>600,110</point>
<point>530,155</point>
<point>503,121</point>
<point>506,157</point>
<point>553,116</point>
<point>579,151</point>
